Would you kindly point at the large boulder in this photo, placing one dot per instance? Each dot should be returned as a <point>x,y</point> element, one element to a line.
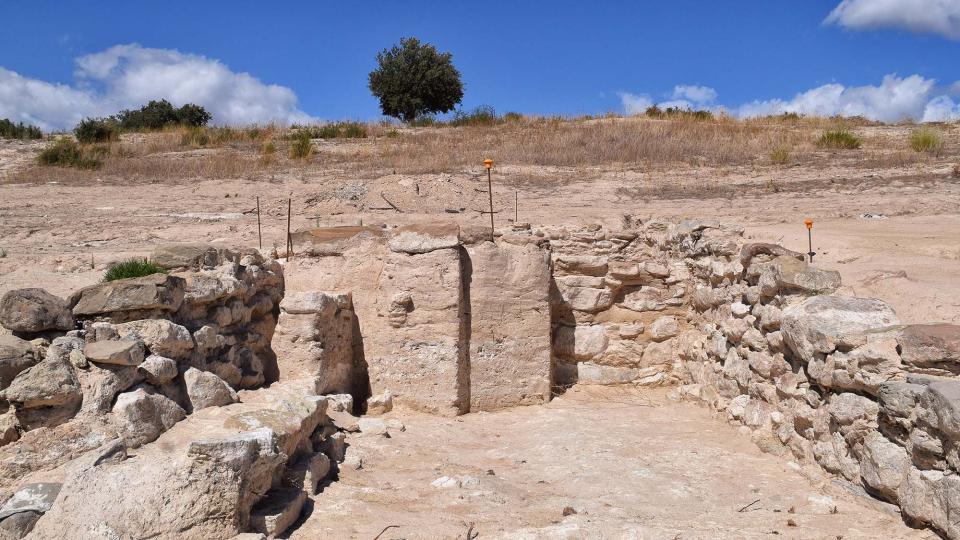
<point>50,383</point>
<point>142,417</point>
<point>34,310</point>
<point>787,275</point>
<point>161,336</point>
<point>207,390</point>
<point>941,407</point>
<point>155,292</point>
<point>931,346</point>
<point>821,324</point>
<point>206,490</point>
<point>16,355</point>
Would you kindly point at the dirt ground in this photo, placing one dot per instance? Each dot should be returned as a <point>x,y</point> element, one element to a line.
<point>594,463</point>
<point>893,233</point>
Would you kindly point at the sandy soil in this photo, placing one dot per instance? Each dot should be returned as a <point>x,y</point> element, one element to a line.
<point>624,463</point>
<point>894,233</point>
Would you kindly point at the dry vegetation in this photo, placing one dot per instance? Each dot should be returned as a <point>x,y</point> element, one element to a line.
<point>257,152</point>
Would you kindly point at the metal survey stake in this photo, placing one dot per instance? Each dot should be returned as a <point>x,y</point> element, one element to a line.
<point>809,224</point>
<point>488,163</point>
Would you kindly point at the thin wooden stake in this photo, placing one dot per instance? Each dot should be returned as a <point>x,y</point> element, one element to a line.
<point>516,206</point>
<point>289,239</point>
<point>259,232</point>
<point>490,193</point>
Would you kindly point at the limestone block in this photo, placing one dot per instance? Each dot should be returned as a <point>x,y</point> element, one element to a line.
<point>510,342</point>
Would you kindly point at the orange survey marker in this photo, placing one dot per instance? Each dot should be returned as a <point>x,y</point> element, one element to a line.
<point>809,223</point>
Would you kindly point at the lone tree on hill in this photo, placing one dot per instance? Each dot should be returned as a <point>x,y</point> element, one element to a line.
<point>413,79</point>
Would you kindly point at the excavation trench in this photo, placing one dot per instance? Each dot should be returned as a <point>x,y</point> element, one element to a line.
<point>384,340</point>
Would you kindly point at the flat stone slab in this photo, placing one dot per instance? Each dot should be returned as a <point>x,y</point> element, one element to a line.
<point>120,353</point>
<point>157,291</point>
<point>424,238</point>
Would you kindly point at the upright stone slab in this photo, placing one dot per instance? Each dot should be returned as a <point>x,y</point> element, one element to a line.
<point>509,325</point>
<point>415,346</point>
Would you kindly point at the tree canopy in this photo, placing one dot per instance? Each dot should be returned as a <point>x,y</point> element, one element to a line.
<point>413,79</point>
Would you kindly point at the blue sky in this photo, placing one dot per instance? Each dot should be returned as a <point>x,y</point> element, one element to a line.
<point>311,59</point>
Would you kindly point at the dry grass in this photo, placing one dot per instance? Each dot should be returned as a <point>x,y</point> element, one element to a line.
<point>555,142</point>
<point>251,152</point>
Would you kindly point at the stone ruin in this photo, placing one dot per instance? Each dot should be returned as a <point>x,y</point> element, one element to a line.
<point>153,407</point>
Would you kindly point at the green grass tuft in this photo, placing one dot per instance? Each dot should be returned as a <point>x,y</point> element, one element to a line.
<point>780,155</point>
<point>301,148</point>
<point>64,152</point>
<point>926,140</point>
<point>132,268</point>
<point>839,139</point>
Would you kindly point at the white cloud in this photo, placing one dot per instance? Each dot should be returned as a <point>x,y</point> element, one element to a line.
<point>694,94</point>
<point>894,99</point>
<point>127,76</point>
<point>926,16</point>
<point>635,103</point>
<point>683,97</point>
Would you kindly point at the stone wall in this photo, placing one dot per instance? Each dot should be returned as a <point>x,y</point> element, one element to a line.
<point>449,322</point>
<point>130,358</point>
<point>831,380</point>
<point>751,330</point>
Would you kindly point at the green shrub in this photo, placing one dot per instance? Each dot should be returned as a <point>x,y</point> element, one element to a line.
<point>839,139</point>
<point>160,114</point>
<point>9,130</point>
<point>333,130</point>
<point>95,130</point>
<point>64,152</point>
<point>132,268</point>
<point>926,140</point>
<point>780,155</point>
<point>512,117</point>
<point>484,115</point>
<point>676,112</point>
<point>301,148</point>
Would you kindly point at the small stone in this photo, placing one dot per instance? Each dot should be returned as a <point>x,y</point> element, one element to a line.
<point>739,309</point>
<point>381,404</point>
<point>277,511</point>
<point>664,328</point>
<point>78,359</point>
<point>372,426</point>
<point>120,353</point>
<point>340,402</point>
<point>445,482</point>
<point>207,390</point>
<point>158,370</point>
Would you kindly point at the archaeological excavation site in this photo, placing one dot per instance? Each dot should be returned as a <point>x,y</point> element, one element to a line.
<point>441,381</point>
<point>480,271</point>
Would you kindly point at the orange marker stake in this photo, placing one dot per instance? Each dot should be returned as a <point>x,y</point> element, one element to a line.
<point>809,224</point>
